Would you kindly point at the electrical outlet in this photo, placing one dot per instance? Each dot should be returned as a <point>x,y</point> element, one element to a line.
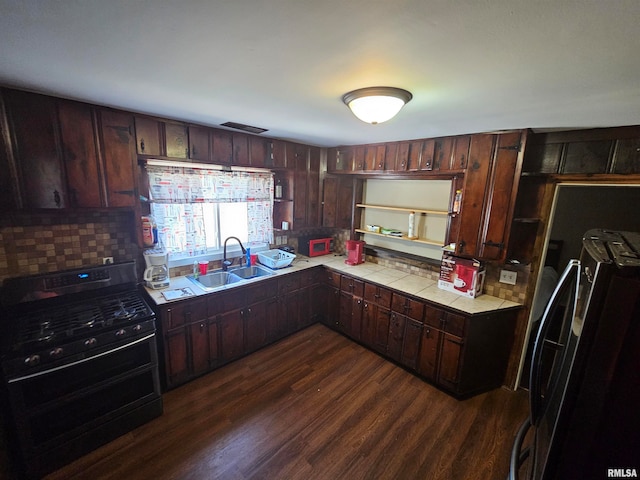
<point>107,260</point>
<point>507,276</point>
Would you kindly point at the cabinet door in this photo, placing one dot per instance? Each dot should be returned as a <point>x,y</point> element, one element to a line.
<point>586,157</point>
<point>411,343</point>
<point>407,306</point>
<point>278,154</point>
<point>378,295</point>
<point>176,140</point>
<point>300,199</point>
<point>231,335</point>
<point>148,136</point>
<point>402,156</point>
<point>199,147</point>
<point>460,154</point>
<point>345,203</point>
<point>176,365</point>
<point>199,343</point>
<point>80,153</point>
<point>37,155</point>
<point>241,150</point>
<point>332,307</point>
<point>330,201</point>
<point>475,183</point>
<point>450,360</point>
<point>414,156</point>
<point>9,191</point>
<point>257,151</point>
<point>429,352</point>
<point>396,335</point>
<point>118,153</point>
<point>382,328</point>
<point>256,326</point>
<point>271,320</point>
<point>500,198</point>
<point>313,188</point>
<point>626,157</point>
<point>442,154</point>
<point>214,342</point>
<point>221,147</point>
<point>368,327</point>
<point>427,155</point>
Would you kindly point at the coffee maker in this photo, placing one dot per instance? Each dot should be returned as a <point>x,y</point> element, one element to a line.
<point>355,252</point>
<point>157,272</point>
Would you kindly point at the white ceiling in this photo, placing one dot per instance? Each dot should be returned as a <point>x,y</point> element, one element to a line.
<point>283,65</point>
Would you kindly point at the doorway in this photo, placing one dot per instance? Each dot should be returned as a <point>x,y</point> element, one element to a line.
<point>577,207</point>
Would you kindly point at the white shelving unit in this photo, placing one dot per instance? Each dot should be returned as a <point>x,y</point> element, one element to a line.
<point>407,210</point>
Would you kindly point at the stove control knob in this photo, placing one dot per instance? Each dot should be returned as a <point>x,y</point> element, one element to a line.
<point>137,328</point>
<point>90,342</point>
<point>32,360</point>
<point>120,333</point>
<point>56,352</point>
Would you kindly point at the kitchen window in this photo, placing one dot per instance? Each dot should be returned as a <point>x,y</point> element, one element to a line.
<point>195,209</point>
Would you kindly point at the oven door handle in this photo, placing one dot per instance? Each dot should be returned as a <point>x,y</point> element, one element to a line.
<point>84,360</point>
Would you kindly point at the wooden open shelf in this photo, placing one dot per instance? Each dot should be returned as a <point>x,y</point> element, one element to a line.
<point>404,237</point>
<point>402,209</point>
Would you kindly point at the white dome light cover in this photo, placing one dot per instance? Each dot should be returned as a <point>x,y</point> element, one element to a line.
<point>376,104</point>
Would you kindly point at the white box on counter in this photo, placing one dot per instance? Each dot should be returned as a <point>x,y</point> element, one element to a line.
<point>461,275</point>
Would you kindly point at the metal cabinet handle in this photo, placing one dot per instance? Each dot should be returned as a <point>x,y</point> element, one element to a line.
<point>142,145</point>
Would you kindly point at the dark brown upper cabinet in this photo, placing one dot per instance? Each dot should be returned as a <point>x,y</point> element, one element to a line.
<point>488,195</point>
<point>149,133</point>
<point>35,147</point>
<point>199,143</point>
<point>221,147</point>
<point>278,154</point>
<point>258,151</point>
<point>81,156</point>
<point>626,157</point>
<point>176,140</point>
<point>241,150</point>
<point>118,153</point>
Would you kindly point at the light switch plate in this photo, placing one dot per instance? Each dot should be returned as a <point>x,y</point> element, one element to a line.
<point>509,277</point>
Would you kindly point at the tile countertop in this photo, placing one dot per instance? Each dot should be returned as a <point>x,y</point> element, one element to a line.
<point>415,285</point>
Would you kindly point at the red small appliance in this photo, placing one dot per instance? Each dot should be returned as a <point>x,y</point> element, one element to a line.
<point>355,252</point>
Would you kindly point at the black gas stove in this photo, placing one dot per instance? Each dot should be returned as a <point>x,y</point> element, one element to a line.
<point>79,362</point>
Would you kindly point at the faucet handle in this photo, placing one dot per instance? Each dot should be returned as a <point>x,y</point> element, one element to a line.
<point>226,264</point>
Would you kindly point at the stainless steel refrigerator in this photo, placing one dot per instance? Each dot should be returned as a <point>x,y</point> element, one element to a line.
<point>584,395</point>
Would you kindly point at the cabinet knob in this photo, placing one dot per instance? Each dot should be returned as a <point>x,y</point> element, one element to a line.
<point>56,198</point>
<point>142,145</point>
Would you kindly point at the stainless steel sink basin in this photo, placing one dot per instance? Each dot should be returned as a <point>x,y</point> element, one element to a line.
<point>251,272</point>
<point>220,278</point>
<point>214,279</point>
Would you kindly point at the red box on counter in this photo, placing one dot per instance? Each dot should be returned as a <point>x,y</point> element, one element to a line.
<point>461,275</point>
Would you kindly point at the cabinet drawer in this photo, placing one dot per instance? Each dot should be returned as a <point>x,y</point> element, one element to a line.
<point>407,306</point>
<point>290,282</point>
<point>352,285</point>
<point>332,279</point>
<point>449,322</point>
<point>182,313</point>
<point>378,295</point>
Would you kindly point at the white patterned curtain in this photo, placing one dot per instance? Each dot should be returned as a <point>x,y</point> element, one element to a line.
<point>182,198</point>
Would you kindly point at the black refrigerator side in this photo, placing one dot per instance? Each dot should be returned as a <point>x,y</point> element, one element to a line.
<point>603,426</point>
<point>550,365</point>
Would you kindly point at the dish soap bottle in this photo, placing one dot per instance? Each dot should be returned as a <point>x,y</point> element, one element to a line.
<point>412,226</point>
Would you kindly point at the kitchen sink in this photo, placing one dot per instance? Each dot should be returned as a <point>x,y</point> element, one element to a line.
<point>214,280</point>
<point>251,272</point>
<point>220,278</point>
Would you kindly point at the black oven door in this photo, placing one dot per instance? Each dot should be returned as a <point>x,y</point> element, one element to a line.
<point>62,406</point>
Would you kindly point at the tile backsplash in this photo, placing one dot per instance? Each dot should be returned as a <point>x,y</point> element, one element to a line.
<point>40,243</point>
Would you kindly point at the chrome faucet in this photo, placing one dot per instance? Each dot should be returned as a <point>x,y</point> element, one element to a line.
<point>226,263</point>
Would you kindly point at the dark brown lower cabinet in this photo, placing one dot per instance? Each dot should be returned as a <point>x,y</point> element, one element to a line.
<point>461,353</point>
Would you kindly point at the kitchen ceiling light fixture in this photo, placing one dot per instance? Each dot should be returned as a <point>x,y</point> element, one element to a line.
<point>376,104</point>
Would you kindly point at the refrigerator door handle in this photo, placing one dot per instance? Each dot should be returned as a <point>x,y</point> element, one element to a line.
<point>518,455</point>
<point>535,394</point>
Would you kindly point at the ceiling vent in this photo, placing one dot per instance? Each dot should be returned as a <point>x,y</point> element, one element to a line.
<point>244,128</point>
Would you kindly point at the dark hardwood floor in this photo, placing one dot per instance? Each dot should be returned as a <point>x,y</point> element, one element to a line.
<point>313,406</point>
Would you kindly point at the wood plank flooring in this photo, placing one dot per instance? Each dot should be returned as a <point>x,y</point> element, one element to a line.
<point>313,406</point>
